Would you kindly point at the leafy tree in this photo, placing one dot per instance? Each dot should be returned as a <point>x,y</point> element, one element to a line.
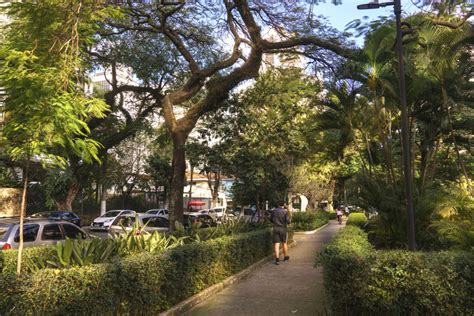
<point>46,108</point>
<point>200,70</point>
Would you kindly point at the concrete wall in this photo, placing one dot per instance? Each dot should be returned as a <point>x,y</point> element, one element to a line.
<point>10,200</point>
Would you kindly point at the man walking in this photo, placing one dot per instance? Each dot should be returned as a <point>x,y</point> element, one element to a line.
<point>281,219</point>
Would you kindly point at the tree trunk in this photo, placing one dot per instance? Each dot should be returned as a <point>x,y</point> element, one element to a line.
<point>290,201</point>
<point>177,179</point>
<point>22,215</point>
<point>103,191</point>
<point>215,191</point>
<point>66,203</point>
<point>190,186</point>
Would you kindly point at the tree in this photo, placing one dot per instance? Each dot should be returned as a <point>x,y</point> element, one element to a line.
<point>204,70</point>
<point>46,107</point>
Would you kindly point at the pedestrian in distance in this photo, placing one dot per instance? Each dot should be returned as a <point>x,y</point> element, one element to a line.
<point>339,215</point>
<point>280,218</point>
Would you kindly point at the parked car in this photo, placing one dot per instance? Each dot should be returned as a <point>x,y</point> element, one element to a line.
<point>40,215</point>
<point>41,232</point>
<point>249,214</point>
<point>103,222</point>
<point>151,222</point>
<point>159,211</point>
<point>196,217</point>
<point>219,211</point>
<point>70,217</point>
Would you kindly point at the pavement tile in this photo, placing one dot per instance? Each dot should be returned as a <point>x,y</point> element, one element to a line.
<point>292,288</point>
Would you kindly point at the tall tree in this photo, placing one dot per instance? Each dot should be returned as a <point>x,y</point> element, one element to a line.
<point>205,68</point>
<point>45,104</point>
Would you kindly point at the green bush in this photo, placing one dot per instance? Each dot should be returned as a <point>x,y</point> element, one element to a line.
<point>145,283</point>
<point>305,221</point>
<point>331,214</point>
<point>357,219</point>
<point>8,258</point>
<point>84,252</point>
<point>363,281</point>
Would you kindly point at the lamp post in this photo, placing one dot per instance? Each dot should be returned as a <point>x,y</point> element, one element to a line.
<point>406,155</point>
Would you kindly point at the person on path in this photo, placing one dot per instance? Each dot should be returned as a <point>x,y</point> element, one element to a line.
<point>281,219</point>
<point>339,215</point>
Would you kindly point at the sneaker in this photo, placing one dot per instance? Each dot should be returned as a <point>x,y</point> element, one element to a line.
<point>286,258</point>
<point>277,261</point>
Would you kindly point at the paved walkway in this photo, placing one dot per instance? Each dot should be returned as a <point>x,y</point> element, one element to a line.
<point>291,288</point>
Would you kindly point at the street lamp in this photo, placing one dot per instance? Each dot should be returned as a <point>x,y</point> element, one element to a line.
<point>397,8</point>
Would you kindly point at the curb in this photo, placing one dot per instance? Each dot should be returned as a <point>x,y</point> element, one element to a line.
<point>310,232</point>
<point>197,298</point>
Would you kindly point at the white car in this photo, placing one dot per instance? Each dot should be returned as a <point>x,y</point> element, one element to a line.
<point>159,211</point>
<point>151,222</point>
<point>219,212</point>
<point>103,222</point>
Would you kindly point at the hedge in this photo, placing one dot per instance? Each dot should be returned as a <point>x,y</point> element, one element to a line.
<point>364,281</point>
<point>145,283</point>
<point>357,219</point>
<point>305,221</point>
<point>8,258</point>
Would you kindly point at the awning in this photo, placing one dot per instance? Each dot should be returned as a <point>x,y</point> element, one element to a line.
<point>196,203</point>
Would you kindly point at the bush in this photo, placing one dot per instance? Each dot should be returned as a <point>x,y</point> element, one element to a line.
<point>357,219</point>
<point>305,221</point>
<point>8,258</point>
<point>331,214</point>
<point>395,282</point>
<point>145,283</point>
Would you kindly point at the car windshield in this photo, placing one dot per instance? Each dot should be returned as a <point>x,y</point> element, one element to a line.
<point>3,230</point>
<point>57,214</point>
<point>111,214</point>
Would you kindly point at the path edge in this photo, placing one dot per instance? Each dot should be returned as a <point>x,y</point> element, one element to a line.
<point>310,232</point>
<point>197,298</point>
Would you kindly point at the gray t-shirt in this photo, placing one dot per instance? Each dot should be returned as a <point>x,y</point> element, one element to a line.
<point>280,217</point>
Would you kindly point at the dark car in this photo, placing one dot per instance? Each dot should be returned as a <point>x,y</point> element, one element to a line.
<point>195,218</point>
<point>70,217</point>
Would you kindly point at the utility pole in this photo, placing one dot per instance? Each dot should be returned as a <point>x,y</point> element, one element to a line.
<point>406,153</point>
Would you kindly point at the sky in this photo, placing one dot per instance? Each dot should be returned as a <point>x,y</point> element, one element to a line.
<point>340,15</point>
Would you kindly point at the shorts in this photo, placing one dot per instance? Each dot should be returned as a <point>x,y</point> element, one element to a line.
<point>280,234</point>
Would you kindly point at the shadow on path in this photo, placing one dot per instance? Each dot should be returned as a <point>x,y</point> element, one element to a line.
<point>291,288</point>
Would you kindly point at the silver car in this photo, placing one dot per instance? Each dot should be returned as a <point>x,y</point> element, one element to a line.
<point>151,222</point>
<point>36,232</point>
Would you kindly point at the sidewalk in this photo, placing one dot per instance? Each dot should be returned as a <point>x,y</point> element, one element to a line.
<point>292,288</point>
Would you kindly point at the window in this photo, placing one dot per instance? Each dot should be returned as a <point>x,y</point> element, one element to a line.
<point>125,221</point>
<point>30,231</point>
<point>52,232</point>
<point>156,222</point>
<point>72,232</point>
<point>67,216</point>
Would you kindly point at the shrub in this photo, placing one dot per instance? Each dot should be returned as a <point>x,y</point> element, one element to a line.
<point>9,257</point>
<point>331,214</point>
<point>304,221</point>
<point>85,252</point>
<point>145,283</point>
<point>357,219</point>
<point>395,282</point>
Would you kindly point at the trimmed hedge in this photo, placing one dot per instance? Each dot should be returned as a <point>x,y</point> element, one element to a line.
<point>357,219</point>
<point>306,221</point>
<point>9,257</point>
<point>364,281</point>
<point>145,283</point>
